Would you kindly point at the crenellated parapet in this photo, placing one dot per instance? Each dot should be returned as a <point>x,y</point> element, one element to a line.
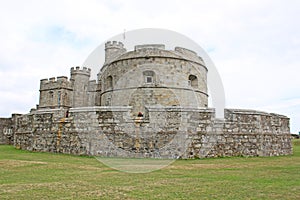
<point>80,71</point>
<point>149,46</point>
<point>185,51</point>
<point>114,44</point>
<point>192,55</point>
<point>60,82</point>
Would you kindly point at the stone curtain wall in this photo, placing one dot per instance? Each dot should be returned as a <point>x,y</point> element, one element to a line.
<point>256,133</point>
<point>48,131</point>
<point>243,133</point>
<point>169,132</point>
<point>6,131</point>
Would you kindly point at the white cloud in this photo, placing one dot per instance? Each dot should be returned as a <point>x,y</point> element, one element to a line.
<point>254,44</point>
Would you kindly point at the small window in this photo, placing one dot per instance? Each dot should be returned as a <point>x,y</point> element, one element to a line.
<point>58,98</point>
<point>193,81</point>
<point>109,82</point>
<point>149,79</point>
<point>108,101</point>
<point>51,94</point>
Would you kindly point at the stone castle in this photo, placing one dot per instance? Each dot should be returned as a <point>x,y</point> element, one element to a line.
<point>148,102</point>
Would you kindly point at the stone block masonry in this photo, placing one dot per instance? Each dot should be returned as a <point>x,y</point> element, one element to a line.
<point>167,133</point>
<point>6,128</point>
<point>147,102</point>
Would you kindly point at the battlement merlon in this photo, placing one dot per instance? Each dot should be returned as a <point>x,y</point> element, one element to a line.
<point>114,44</point>
<point>80,71</point>
<point>149,46</point>
<point>54,80</point>
<point>185,51</point>
<point>189,53</point>
<point>55,83</point>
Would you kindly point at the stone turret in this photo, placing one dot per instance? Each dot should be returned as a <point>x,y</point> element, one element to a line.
<point>80,78</point>
<point>113,49</point>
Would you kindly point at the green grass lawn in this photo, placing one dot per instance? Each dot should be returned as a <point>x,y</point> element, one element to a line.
<point>31,175</point>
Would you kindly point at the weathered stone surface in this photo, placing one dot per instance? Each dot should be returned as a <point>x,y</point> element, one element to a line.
<point>6,131</point>
<point>168,133</point>
<point>149,102</point>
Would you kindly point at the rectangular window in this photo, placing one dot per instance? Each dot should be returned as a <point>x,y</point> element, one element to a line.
<point>149,79</point>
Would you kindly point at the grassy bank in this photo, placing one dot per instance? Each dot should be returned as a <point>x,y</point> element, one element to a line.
<point>30,175</point>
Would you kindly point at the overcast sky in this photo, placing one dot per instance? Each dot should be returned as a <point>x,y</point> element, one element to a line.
<point>254,44</point>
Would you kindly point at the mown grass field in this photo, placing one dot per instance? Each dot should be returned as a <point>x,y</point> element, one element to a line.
<point>29,175</point>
